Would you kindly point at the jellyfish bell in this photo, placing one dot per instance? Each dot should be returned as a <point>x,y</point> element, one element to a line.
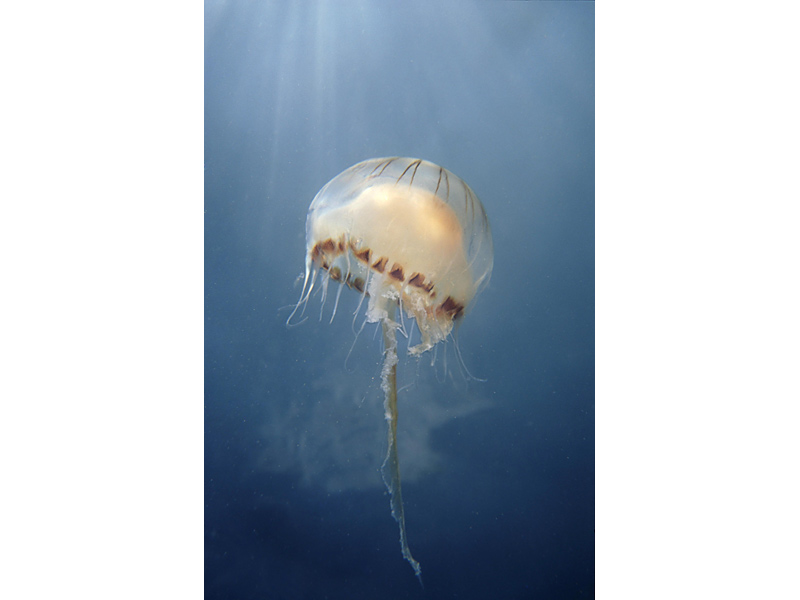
<point>404,232</point>
<point>411,236</point>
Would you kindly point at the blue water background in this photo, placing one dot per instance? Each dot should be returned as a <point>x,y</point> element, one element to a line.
<point>498,477</point>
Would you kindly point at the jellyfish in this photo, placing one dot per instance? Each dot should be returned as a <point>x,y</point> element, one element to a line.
<point>412,238</point>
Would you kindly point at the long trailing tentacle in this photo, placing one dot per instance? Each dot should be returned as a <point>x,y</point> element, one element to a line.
<point>390,470</point>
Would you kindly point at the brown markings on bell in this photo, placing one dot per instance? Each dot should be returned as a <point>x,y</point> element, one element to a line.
<point>388,162</point>
<point>380,264</point>
<point>452,308</point>
<point>397,272</point>
<point>418,280</point>
<point>362,255</point>
<point>326,251</point>
<point>358,284</point>
<point>414,164</point>
<point>328,246</point>
<point>336,273</point>
<point>323,251</point>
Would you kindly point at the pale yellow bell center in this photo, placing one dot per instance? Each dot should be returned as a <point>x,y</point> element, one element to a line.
<point>409,227</point>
